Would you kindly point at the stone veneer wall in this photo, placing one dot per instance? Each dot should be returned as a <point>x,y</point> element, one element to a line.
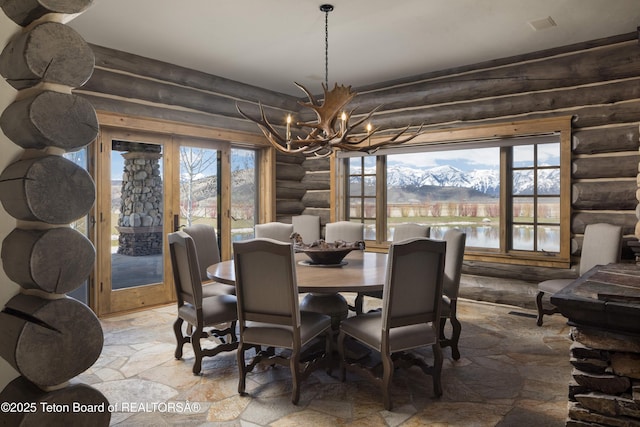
<point>606,379</point>
<point>140,220</point>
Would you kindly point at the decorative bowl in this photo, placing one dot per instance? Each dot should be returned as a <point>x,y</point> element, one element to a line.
<point>327,256</point>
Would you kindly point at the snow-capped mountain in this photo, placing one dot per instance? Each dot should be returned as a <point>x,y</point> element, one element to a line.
<point>486,181</point>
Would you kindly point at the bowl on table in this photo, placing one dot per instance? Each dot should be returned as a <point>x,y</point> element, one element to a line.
<point>327,256</point>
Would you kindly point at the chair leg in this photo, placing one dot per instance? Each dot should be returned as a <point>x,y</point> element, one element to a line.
<point>242,370</point>
<point>437,369</point>
<point>294,364</point>
<point>540,309</point>
<point>387,375</point>
<point>358,303</point>
<point>197,349</point>
<point>180,339</point>
<point>455,334</point>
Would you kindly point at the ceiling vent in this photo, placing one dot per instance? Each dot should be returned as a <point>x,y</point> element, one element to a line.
<point>542,24</point>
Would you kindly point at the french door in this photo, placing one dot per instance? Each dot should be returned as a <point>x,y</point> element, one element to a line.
<point>151,184</point>
<point>134,179</point>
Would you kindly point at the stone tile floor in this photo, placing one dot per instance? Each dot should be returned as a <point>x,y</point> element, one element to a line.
<point>511,373</point>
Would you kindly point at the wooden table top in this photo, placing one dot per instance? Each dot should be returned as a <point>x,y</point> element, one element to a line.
<point>364,271</point>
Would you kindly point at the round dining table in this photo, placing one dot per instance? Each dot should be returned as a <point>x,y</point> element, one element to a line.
<point>360,272</point>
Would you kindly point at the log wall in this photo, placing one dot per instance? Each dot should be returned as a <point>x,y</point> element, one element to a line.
<point>597,82</point>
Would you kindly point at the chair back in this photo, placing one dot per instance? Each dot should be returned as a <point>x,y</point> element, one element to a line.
<point>307,226</point>
<point>456,241</point>
<point>274,230</point>
<point>206,241</point>
<point>186,271</point>
<point>344,230</point>
<point>413,285</point>
<point>410,230</point>
<point>266,286</point>
<point>602,245</point>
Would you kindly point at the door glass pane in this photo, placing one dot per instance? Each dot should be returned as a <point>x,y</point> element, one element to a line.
<point>244,196</point>
<point>81,224</point>
<point>137,193</point>
<point>198,186</point>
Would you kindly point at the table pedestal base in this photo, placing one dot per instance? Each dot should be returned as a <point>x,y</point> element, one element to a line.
<point>333,305</point>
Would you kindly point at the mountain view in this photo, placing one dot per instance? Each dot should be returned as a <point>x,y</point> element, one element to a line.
<point>449,183</point>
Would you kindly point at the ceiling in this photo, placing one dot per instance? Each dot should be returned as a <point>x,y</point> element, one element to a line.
<point>272,43</point>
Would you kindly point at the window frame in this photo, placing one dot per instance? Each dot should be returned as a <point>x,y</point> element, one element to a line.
<point>473,137</point>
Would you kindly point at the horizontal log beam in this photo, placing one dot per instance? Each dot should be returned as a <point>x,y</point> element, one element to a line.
<point>317,199</point>
<point>290,173</point>
<point>607,140</point>
<point>614,195</point>
<point>137,65</point>
<point>313,164</point>
<point>501,62</point>
<point>604,96</point>
<point>579,68</point>
<point>606,167</point>
<point>134,109</point>
<point>317,181</point>
<point>158,92</point>
<point>296,159</point>
<point>523,272</point>
<point>290,189</point>
<point>289,207</point>
<point>624,219</point>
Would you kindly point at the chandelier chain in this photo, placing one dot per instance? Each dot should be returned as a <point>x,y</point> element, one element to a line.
<point>326,48</point>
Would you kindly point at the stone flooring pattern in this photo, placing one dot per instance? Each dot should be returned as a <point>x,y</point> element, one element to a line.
<point>511,373</point>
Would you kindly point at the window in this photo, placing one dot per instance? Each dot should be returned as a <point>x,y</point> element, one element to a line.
<point>362,193</point>
<point>511,194</point>
<point>244,196</point>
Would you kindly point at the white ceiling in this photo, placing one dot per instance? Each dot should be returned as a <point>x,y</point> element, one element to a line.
<point>272,43</point>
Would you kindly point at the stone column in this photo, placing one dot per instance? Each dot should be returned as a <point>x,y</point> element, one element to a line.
<point>140,221</point>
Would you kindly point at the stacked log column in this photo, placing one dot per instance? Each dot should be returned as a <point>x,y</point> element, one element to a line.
<point>47,337</point>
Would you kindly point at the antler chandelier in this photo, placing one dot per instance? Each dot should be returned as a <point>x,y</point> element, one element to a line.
<point>331,130</point>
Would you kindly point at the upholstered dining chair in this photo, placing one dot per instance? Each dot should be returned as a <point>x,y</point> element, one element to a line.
<point>307,226</point>
<point>274,230</point>
<point>409,318</point>
<point>198,312</point>
<point>401,232</point>
<point>408,230</point>
<point>269,314</point>
<point>344,230</point>
<point>455,240</point>
<point>602,245</point>
<point>207,251</point>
